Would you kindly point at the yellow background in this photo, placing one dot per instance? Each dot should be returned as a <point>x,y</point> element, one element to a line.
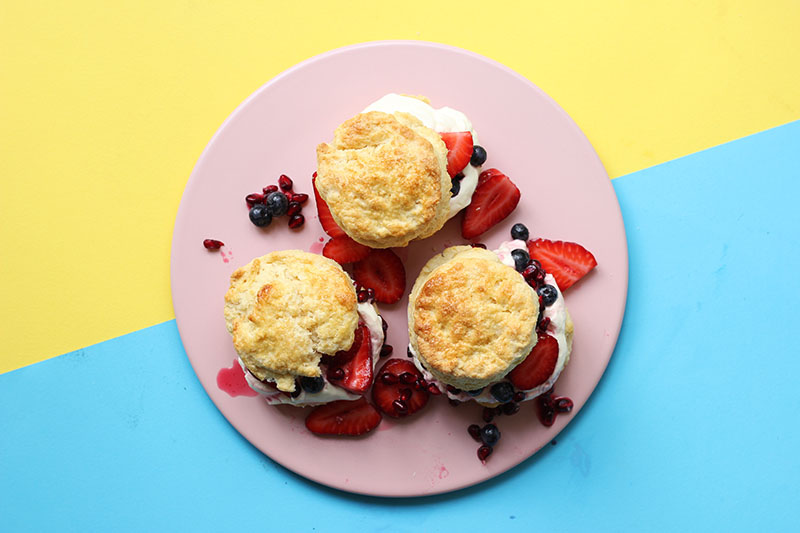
<point>106,106</point>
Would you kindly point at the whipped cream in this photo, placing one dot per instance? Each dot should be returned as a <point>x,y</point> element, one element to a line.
<point>441,120</point>
<point>329,392</point>
<point>557,313</point>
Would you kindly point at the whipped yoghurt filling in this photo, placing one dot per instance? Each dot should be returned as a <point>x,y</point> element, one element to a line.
<point>441,120</point>
<point>329,392</point>
<point>557,313</point>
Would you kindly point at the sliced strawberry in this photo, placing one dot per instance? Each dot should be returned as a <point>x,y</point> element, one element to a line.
<point>383,272</point>
<point>343,417</point>
<point>486,174</point>
<point>493,200</point>
<point>566,261</point>
<point>329,225</point>
<point>538,366</point>
<point>344,250</point>
<point>459,151</point>
<point>394,391</point>
<point>352,370</point>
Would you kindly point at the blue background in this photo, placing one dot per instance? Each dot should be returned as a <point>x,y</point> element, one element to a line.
<point>694,426</point>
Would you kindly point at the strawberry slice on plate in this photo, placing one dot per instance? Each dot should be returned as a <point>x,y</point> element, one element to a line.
<point>538,366</point>
<point>566,261</point>
<point>459,151</point>
<point>383,272</point>
<point>329,225</point>
<point>343,417</point>
<point>352,369</point>
<point>494,199</point>
<point>394,391</point>
<point>344,250</point>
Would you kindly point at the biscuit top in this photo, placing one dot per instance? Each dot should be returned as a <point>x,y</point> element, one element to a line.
<point>287,308</point>
<point>385,179</point>
<point>472,319</point>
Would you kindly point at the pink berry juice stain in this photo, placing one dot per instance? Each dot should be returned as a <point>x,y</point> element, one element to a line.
<point>231,380</point>
<point>225,258</point>
<point>317,246</point>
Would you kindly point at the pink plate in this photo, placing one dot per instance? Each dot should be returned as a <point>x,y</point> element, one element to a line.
<point>566,194</point>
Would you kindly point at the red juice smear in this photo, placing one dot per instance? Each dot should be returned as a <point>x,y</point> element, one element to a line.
<point>231,380</point>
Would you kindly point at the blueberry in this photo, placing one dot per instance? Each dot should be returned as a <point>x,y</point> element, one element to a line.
<point>521,259</point>
<point>490,434</point>
<point>278,203</point>
<point>519,231</point>
<point>260,215</point>
<point>549,294</point>
<point>312,385</point>
<point>475,392</point>
<point>456,187</point>
<point>503,391</point>
<point>478,156</point>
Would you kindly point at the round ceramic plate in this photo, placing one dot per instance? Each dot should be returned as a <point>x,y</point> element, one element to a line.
<point>566,194</point>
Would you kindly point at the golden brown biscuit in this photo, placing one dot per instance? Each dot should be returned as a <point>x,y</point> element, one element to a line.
<point>472,319</point>
<point>287,308</point>
<point>385,179</point>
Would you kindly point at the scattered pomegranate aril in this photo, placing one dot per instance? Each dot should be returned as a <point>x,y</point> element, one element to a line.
<point>519,396</point>
<point>269,189</point>
<point>408,377</point>
<point>337,373</point>
<point>294,208</point>
<point>362,296</point>
<point>420,385</point>
<point>296,221</point>
<point>488,414</point>
<point>285,182</point>
<point>253,199</point>
<point>300,197</point>
<point>389,379</point>
<point>213,244</point>
<point>478,245</point>
<point>384,325</point>
<point>405,394</point>
<point>433,389</point>
<point>563,405</point>
<point>371,293</point>
<point>400,406</point>
<point>484,452</point>
<point>386,350</point>
<point>474,431</point>
<point>510,408</point>
<point>543,324</point>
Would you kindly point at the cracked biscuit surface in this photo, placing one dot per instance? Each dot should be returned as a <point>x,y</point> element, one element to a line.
<point>287,308</point>
<point>384,178</point>
<point>472,319</point>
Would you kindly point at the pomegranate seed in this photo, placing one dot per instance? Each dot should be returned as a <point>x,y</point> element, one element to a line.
<point>475,432</point>
<point>530,272</point>
<point>408,353</point>
<point>543,325</point>
<point>478,245</point>
<point>408,377</point>
<point>510,408</point>
<point>389,379</point>
<point>519,396</point>
<point>433,389</point>
<point>384,325</point>
<point>269,189</point>
<point>362,296</point>
<point>452,390</point>
<point>337,373</point>
<point>213,244</point>
<point>547,416</point>
<point>371,294</point>
<point>296,221</point>
<point>386,350</point>
<point>484,452</point>
<point>253,199</point>
<point>400,406</point>
<point>563,405</point>
<point>285,182</point>
<point>405,394</point>
<point>488,414</point>
<point>300,198</point>
<point>294,209</point>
